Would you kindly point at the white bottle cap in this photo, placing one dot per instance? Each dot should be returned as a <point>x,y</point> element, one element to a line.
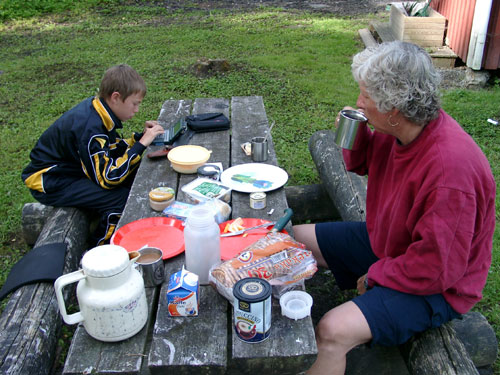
<point>296,304</point>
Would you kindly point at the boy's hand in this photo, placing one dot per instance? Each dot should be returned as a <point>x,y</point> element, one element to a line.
<point>151,130</point>
<point>149,124</point>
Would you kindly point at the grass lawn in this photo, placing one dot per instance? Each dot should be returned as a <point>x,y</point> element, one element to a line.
<point>298,62</point>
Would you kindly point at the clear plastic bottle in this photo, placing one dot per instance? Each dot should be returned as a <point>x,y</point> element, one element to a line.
<point>202,241</point>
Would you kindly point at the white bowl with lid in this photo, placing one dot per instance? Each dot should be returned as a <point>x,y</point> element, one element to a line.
<point>296,304</point>
<point>187,159</point>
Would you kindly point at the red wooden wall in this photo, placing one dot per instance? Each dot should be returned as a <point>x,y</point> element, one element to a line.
<point>460,14</point>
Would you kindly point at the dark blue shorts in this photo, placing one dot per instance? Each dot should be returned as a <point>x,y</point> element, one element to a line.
<point>393,316</point>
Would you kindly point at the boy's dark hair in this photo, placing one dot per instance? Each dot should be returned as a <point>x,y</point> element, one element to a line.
<point>122,79</point>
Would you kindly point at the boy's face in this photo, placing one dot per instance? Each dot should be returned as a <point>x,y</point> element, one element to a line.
<point>126,109</point>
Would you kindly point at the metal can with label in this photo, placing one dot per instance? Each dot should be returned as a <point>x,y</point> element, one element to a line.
<point>258,200</point>
<point>252,309</point>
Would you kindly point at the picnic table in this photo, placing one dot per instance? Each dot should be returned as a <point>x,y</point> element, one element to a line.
<point>207,343</point>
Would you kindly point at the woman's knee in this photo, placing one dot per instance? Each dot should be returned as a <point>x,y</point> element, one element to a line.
<point>343,328</point>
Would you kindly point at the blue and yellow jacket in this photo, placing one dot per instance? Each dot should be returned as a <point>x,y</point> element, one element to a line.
<point>83,142</point>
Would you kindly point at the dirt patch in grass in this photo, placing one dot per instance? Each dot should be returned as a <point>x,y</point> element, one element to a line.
<point>337,7</point>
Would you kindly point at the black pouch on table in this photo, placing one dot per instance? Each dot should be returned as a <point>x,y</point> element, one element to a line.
<point>208,122</point>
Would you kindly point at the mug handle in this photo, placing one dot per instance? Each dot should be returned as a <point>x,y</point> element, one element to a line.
<point>60,283</point>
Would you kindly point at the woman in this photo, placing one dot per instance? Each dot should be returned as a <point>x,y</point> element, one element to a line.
<point>422,257</point>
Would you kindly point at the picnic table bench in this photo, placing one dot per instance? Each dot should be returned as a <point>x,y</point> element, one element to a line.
<point>206,343</point>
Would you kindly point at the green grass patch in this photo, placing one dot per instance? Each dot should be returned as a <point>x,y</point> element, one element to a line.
<point>50,59</point>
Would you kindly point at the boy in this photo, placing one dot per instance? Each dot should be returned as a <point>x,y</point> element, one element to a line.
<point>81,161</point>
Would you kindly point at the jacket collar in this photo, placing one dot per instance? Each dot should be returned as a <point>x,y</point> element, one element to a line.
<point>109,119</point>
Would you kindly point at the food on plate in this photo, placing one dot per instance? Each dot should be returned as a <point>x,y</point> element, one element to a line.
<point>234,226</point>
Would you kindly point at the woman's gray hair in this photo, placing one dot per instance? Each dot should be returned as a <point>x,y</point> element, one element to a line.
<point>400,75</point>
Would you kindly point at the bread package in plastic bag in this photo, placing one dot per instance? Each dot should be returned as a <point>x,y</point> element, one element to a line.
<point>276,258</point>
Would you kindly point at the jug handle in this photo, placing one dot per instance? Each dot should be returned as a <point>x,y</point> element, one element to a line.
<point>59,284</point>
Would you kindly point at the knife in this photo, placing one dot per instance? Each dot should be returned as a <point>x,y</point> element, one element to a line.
<point>278,225</point>
<point>265,225</point>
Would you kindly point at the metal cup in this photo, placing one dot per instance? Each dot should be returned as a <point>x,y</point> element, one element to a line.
<point>151,266</point>
<point>259,149</point>
<point>347,131</point>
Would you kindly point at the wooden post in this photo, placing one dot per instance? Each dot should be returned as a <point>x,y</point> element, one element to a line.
<point>33,218</point>
<point>437,351</point>
<point>347,190</point>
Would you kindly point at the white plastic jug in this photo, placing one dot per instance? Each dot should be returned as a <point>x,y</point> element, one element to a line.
<point>202,242</point>
<point>110,294</point>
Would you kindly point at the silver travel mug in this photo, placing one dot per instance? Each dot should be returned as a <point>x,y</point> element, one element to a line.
<point>259,149</point>
<point>151,266</point>
<point>347,131</point>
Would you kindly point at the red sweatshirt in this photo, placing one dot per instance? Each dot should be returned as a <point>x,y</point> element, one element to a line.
<point>430,211</point>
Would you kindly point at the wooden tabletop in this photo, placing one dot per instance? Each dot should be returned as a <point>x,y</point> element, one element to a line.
<point>206,343</point>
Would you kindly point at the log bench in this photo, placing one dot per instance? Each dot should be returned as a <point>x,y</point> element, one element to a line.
<point>458,347</point>
<point>30,324</point>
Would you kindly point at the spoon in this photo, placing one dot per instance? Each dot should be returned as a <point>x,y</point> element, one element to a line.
<point>269,132</point>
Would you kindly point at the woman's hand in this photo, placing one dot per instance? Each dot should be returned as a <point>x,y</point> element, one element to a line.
<point>151,130</point>
<point>361,284</point>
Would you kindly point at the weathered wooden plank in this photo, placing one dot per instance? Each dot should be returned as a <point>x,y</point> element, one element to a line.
<point>249,118</point>
<point>347,190</point>
<point>367,37</point>
<point>87,355</point>
<point>176,344</point>
<point>291,346</point>
<point>190,345</point>
<point>30,323</point>
<point>216,142</point>
<point>154,173</point>
<point>383,31</point>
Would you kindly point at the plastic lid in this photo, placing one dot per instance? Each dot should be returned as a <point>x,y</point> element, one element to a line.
<point>189,154</point>
<point>296,304</point>
<point>161,194</point>
<point>105,261</point>
<point>252,289</point>
<point>208,170</point>
<point>200,217</point>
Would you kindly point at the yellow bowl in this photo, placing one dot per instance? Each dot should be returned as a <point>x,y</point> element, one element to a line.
<point>187,159</point>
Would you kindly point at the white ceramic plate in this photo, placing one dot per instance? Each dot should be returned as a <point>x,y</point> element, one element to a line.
<point>253,177</point>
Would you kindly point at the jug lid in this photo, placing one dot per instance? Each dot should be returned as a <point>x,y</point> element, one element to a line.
<point>105,261</point>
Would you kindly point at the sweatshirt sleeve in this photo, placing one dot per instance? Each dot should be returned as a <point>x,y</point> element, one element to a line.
<point>357,160</point>
<point>109,165</point>
<point>440,250</point>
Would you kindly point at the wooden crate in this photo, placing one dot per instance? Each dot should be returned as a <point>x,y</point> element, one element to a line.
<point>423,31</point>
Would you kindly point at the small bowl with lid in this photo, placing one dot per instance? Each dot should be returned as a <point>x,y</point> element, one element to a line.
<point>161,197</point>
<point>187,159</point>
